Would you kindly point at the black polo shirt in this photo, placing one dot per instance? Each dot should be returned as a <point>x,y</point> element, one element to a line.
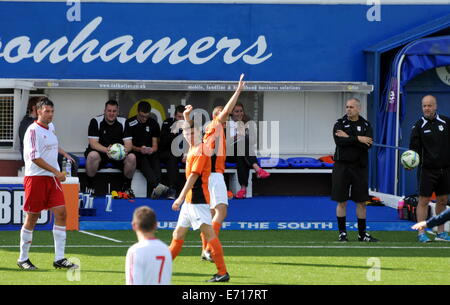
<point>107,134</point>
<point>143,133</point>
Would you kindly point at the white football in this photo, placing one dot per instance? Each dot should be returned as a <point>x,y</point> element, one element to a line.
<point>117,151</point>
<point>410,159</point>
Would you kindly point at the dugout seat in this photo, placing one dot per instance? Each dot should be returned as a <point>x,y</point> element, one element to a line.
<point>304,162</point>
<point>268,162</point>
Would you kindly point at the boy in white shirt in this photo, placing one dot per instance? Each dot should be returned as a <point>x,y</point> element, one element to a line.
<point>149,261</point>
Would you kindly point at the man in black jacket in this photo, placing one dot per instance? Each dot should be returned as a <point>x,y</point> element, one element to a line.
<point>430,138</point>
<point>353,137</point>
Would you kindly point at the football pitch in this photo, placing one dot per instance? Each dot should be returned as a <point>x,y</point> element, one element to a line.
<point>252,258</point>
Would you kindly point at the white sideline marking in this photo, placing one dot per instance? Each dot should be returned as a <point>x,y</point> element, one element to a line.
<point>243,246</point>
<point>100,236</point>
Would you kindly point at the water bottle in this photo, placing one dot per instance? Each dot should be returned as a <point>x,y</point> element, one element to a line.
<point>68,168</point>
<point>64,165</point>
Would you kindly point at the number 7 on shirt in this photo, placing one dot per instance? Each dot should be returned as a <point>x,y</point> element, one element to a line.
<point>163,259</point>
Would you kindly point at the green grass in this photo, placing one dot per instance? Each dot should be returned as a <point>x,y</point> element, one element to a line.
<point>252,257</point>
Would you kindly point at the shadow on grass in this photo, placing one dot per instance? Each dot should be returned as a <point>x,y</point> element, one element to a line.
<point>336,266</point>
<point>100,271</point>
<point>39,270</point>
<point>191,274</point>
<point>208,275</point>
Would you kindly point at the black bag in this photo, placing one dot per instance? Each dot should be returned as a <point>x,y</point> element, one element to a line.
<point>410,207</point>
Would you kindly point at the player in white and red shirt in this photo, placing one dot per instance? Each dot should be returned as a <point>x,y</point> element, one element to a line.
<point>42,184</point>
<point>148,262</point>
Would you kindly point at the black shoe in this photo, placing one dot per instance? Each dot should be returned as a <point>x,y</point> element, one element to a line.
<point>343,237</point>
<point>129,193</point>
<point>159,190</point>
<point>172,194</point>
<point>64,264</point>
<point>219,278</point>
<point>367,238</point>
<point>26,265</point>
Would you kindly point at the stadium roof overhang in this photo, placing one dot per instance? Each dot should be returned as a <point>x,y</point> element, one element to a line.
<point>357,87</point>
<point>373,53</point>
<point>16,84</point>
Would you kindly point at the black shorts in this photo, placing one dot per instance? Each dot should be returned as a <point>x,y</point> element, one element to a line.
<point>434,180</point>
<point>349,182</point>
<point>105,160</point>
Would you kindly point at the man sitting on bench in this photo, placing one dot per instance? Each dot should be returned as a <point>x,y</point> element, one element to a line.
<point>105,130</point>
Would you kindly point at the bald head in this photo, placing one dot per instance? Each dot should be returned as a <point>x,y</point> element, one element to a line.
<point>353,108</point>
<point>429,106</point>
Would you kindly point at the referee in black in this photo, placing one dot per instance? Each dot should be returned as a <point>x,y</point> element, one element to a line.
<point>430,138</point>
<point>353,137</point>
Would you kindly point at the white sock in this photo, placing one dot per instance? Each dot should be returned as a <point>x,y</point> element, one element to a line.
<point>59,236</point>
<point>26,237</point>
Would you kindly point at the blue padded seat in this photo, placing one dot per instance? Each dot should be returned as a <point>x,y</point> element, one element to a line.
<point>304,162</point>
<point>272,162</point>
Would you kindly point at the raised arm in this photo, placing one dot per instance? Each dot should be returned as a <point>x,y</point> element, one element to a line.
<point>228,108</point>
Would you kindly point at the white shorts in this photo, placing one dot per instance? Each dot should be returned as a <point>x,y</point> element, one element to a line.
<point>217,190</point>
<point>194,215</point>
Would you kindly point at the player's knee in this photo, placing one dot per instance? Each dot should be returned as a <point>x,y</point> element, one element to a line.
<point>61,214</point>
<point>178,234</point>
<point>221,211</point>
<point>30,221</point>
<point>208,231</point>
<point>93,156</point>
<point>131,158</point>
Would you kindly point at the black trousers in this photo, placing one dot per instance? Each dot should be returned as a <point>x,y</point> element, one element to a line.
<point>150,167</point>
<point>172,167</point>
<point>243,164</point>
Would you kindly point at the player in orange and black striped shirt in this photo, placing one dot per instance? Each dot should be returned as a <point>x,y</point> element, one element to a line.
<point>215,139</point>
<point>195,211</point>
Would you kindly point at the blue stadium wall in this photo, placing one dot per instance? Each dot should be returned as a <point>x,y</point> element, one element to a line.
<point>268,42</point>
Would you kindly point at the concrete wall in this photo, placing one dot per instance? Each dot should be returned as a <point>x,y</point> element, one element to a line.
<point>73,111</point>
